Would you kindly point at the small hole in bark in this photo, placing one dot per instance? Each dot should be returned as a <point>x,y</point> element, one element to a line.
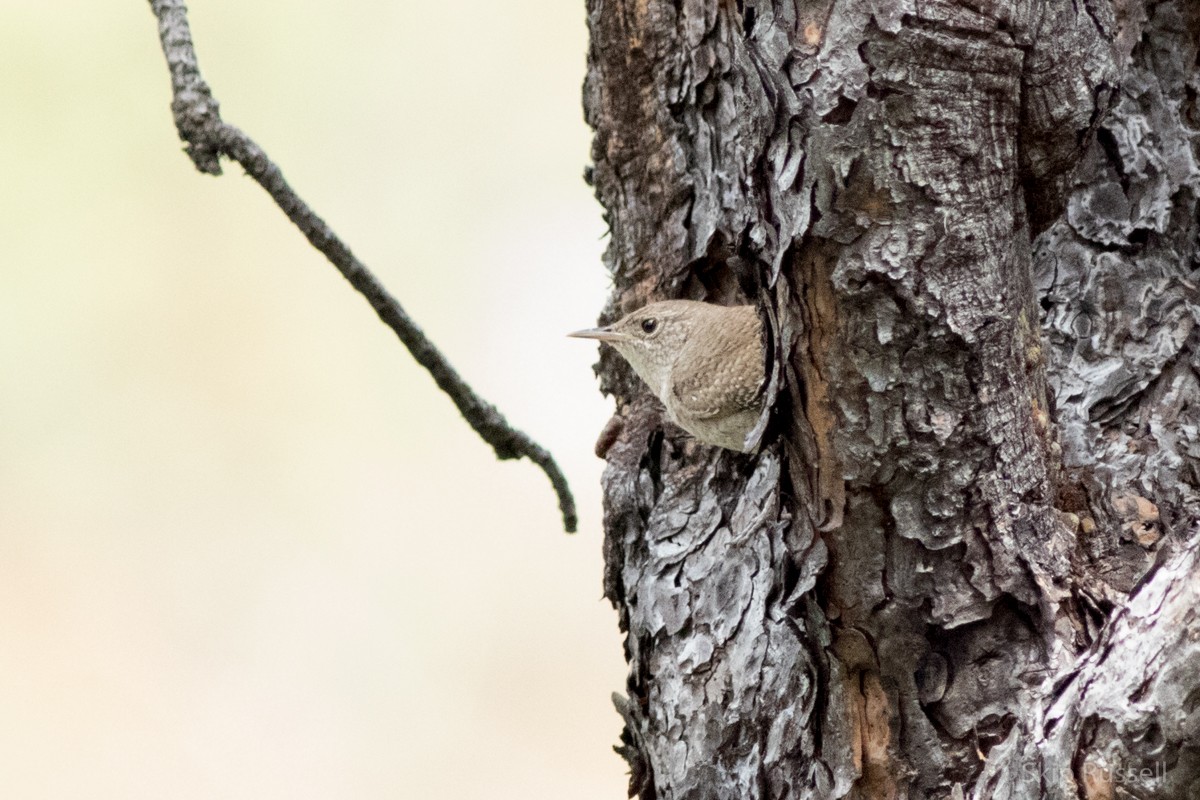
<point>791,577</point>
<point>691,205</point>
<point>654,461</point>
<point>1191,106</point>
<point>1108,143</point>
<point>864,52</point>
<point>841,114</point>
<point>722,276</point>
<point>1153,737</point>
<point>749,17</point>
<point>877,92</point>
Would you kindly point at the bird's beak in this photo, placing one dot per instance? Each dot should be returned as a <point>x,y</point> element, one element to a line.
<point>600,334</point>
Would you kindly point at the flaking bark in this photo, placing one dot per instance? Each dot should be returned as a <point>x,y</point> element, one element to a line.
<point>973,230</point>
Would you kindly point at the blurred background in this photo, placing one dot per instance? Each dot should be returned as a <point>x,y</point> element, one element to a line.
<point>247,548</point>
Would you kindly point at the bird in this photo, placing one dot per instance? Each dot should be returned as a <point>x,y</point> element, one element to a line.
<point>705,362</point>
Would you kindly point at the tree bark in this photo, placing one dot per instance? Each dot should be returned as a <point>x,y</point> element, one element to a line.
<point>964,562</point>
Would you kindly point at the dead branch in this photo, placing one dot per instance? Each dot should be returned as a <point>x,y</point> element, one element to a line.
<point>208,137</point>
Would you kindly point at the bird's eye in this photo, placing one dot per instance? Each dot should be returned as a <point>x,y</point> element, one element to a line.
<point>650,325</point>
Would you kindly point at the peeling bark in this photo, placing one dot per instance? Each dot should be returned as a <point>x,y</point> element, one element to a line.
<point>973,229</point>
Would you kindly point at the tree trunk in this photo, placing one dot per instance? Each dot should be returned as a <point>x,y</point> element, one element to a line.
<point>964,562</point>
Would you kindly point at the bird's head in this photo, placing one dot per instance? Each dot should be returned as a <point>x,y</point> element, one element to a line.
<point>652,337</point>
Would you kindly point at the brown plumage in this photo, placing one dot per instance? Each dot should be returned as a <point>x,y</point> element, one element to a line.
<point>703,361</point>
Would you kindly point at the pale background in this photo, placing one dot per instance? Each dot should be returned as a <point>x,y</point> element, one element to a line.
<point>247,548</point>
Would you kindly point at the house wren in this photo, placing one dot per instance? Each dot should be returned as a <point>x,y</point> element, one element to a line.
<point>704,361</point>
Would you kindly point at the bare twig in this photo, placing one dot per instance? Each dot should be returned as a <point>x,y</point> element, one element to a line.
<point>198,120</point>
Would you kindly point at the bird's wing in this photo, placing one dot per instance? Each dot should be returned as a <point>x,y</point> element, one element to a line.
<point>728,379</point>
<point>706,396</point>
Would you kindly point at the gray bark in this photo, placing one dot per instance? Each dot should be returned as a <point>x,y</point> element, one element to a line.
<point>964,562</point>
